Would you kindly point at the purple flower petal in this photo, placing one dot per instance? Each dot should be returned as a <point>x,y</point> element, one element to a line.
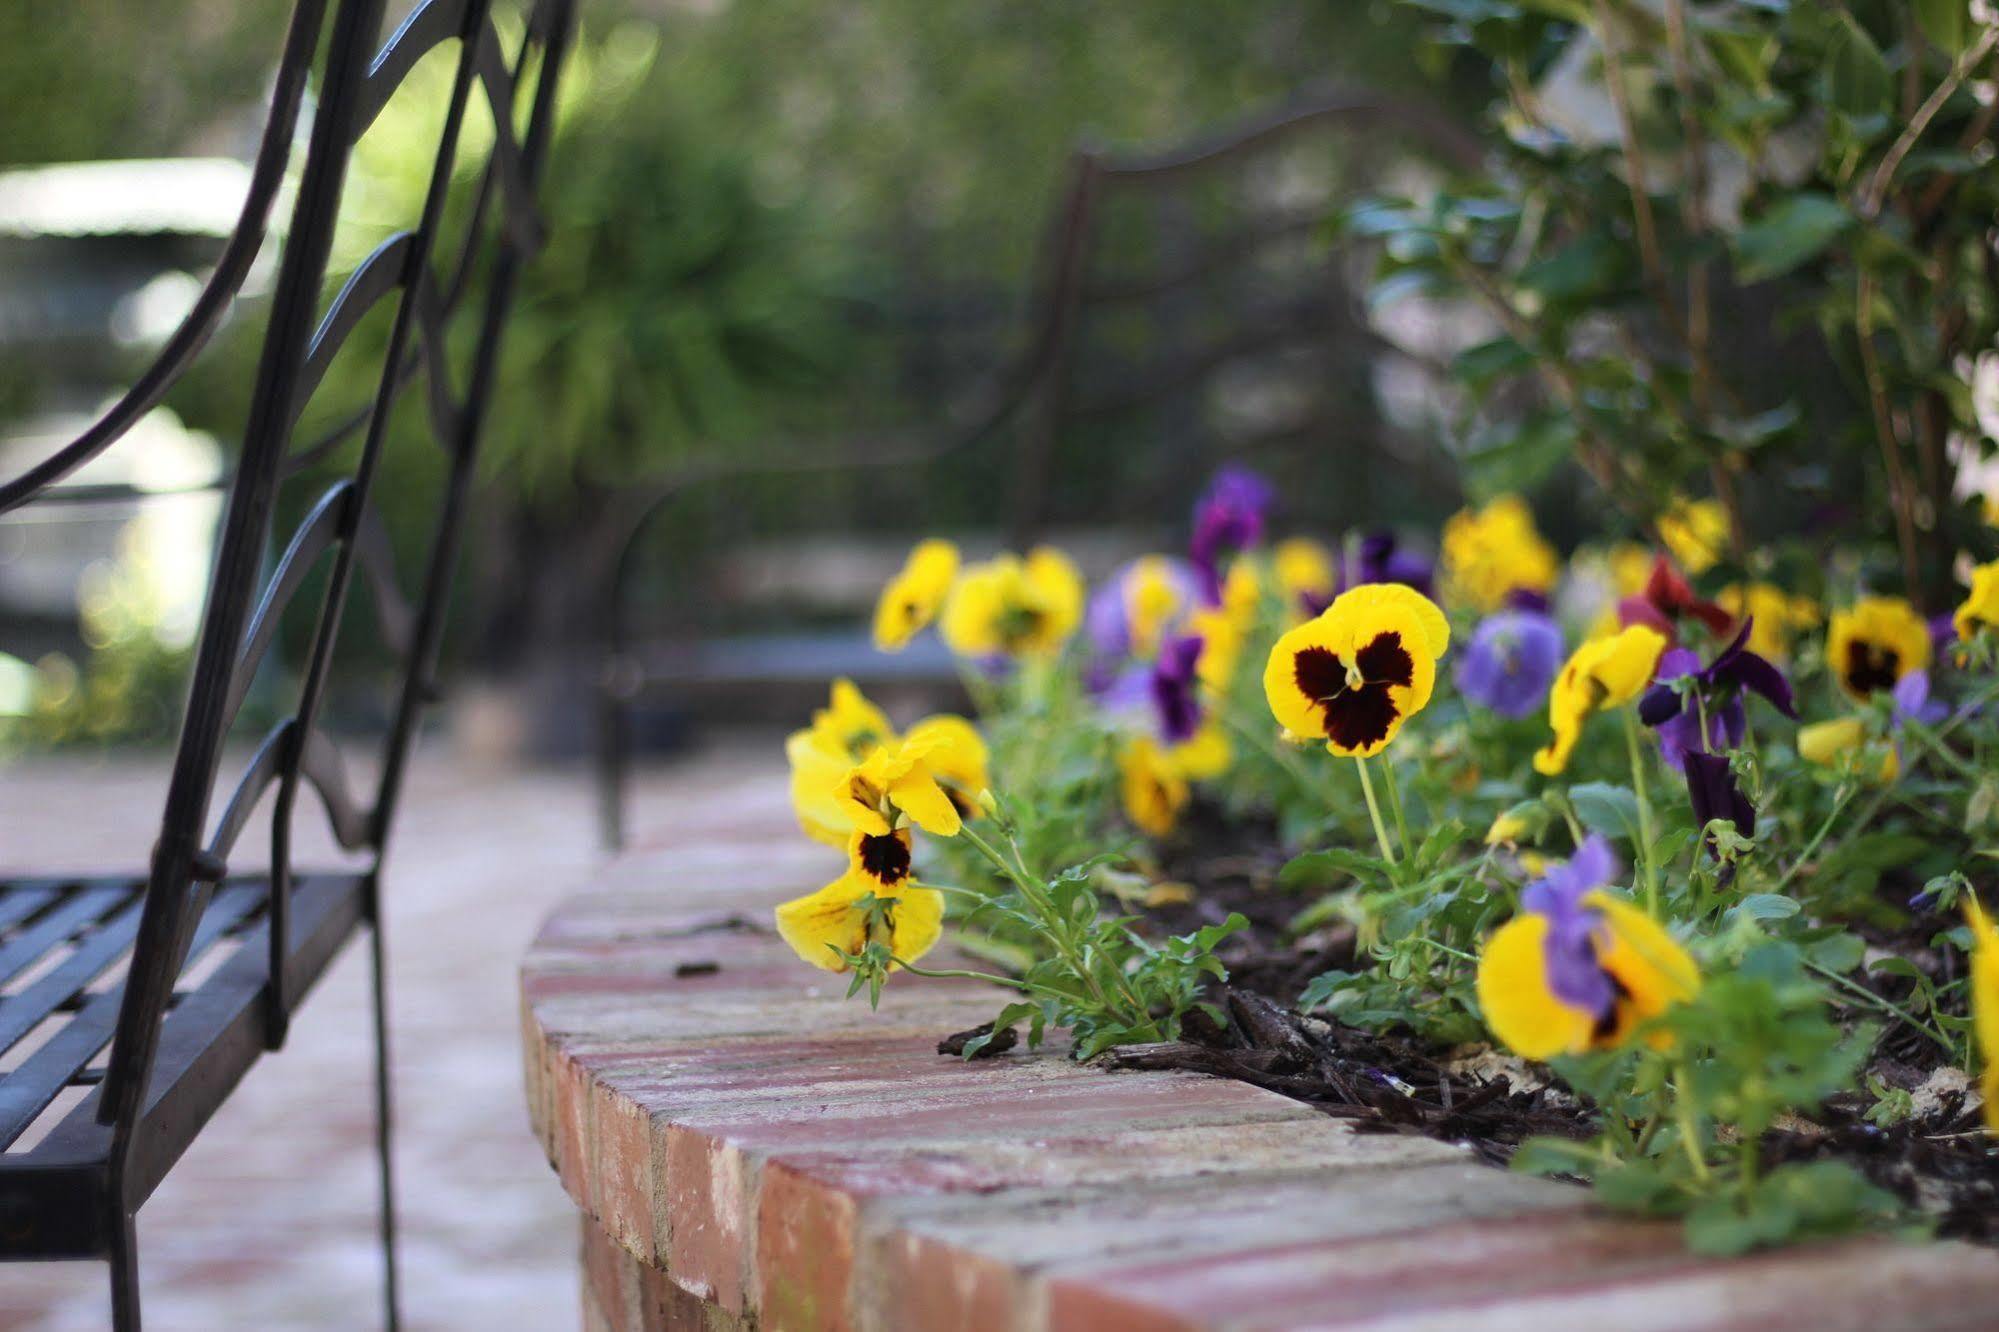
<point>1510,662</point>
<point>1574,975</point>
<point>1230,517</point>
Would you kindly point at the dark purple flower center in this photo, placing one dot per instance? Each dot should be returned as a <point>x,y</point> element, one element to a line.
<point>885,858</point>
<point>1870,666</point>
<point>1356,715</point>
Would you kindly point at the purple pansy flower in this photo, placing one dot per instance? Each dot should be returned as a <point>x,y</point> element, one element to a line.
<point>1380,559</point>
<point>1513,657</point>
<point>1231,517</point>
<point>1174,689</point>
<point>1557,897</point>
<point>1714,792</point>
<point>1719,685</point>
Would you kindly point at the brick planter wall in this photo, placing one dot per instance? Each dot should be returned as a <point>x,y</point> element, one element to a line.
<point>749,1149</point>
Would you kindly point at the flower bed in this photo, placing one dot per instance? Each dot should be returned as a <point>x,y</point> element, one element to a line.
<point>747,1150</point>
<point>1680,939</point>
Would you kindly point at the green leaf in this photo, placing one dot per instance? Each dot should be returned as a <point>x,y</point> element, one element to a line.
<point>1315,869</point>
<point>1520,459</point>
<point>1767,906</point>
<point>1947,23</point>
<point>1610,810</point>
<point>1795,230</point>
<point>1857,79</point>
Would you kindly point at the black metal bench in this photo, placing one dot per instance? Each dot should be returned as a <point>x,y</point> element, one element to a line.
<point>1256,290</point>
<point>121,1072</point>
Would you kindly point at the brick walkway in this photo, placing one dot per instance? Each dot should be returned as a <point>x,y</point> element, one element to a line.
<point>268,1222</point>
<point>748,1149</point>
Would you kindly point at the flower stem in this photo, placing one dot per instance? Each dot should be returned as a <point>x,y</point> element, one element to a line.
<point>1395,807</point>
<point>1374,812</point>
<point>1804,856</point>
<point>1683,1116</point>
<point>1647,869</point>
<point>1893,1009</point>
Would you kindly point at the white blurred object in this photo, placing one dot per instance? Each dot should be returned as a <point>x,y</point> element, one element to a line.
<point>194,196</point>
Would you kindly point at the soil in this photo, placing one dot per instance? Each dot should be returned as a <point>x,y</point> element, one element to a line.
<point>1938,1159</point>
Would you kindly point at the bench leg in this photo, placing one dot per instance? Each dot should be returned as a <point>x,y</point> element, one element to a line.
<point>125,1277</point>
<point>384,1129</point>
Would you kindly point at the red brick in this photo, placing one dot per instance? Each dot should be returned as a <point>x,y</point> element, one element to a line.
<point>805,1253</point>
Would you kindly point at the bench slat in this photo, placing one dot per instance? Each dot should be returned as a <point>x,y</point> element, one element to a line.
<point>28,1090</point>
<point>62,920</point>
<point>22,900</point>
<point>21,1013</point>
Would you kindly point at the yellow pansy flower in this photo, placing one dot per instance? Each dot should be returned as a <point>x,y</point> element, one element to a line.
<point>1980,609</point>
<point>1775,616</point>
<point>901,780</point>
<point>1153,788</point>
<point>1875,642</point>
<point>1008,606</point>
<point>1356,673</point>
<point>1490,552</point>
<point>826,927</point>
<point>1985,1004</point>
<point>912,598</point>
<point>1305,571</point>
<point>840,736</point>
<point>1602,673</point>
<point>1696,531</point>
<point>1579,969</point>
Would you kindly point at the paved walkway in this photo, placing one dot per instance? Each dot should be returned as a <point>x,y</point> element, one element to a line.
<point>268,1222</point>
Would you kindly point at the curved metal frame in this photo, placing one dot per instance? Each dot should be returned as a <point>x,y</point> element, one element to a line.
<point>356,80</point>
<point>1032,386</point>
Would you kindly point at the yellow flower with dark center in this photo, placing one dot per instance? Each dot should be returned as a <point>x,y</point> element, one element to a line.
<point>1775,615</point>
<point>1356,673</point>
<point>1875,642</point>
<point>1579,969</point>
<point>1603,673</point>
<point>841,735</point>
<point>875,901</point>
<point>1489,553</point>
<point>1980,609</point>
<point>1012,607</point>
<point>912,598</point>
<point>1985,1004</point>
<point>1305,572</point>
<point>1696,531</point>
<point>901,781</point>
<point>1153,788</point>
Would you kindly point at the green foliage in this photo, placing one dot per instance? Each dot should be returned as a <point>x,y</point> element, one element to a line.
<point>1678,187</point>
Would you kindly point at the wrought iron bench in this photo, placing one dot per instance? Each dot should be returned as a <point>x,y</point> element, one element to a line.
<point>108,1076</point>
<point>1253,291</point>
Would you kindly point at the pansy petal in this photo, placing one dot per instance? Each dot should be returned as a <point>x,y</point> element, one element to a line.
<point>823,927</point>
<point>1759,675</point>
<point>1650,967</point>
<point>1514,994</point>
<point>916,922</point>
<point>920,797</point>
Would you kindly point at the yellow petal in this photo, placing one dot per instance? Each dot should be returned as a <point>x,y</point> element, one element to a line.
<point>823,927</point>
<point>957,756</point>
<point>1372,598</point>
<point>916,922</point>
<point>918,795</point>
<point>1204,757</point>
<point>818,776</point>
<point>1696,532</point>
<point>1980,609</point>
<point>1985,1000</point>
<point>1654,971</point>
<point>1513,994</point>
